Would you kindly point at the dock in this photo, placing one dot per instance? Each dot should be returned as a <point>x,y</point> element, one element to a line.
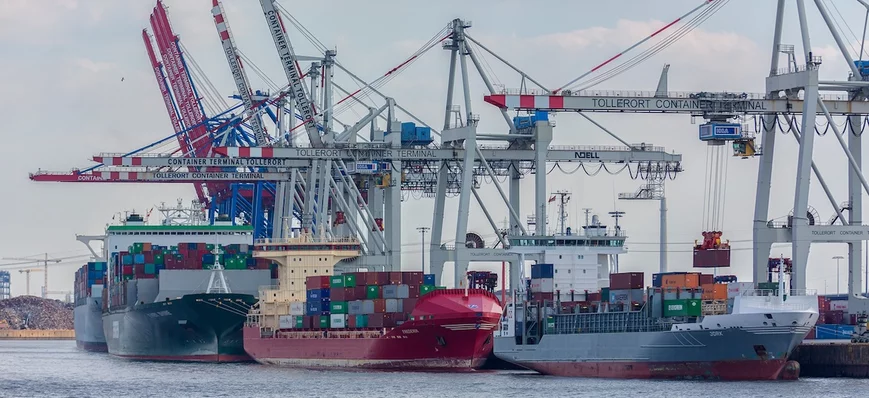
<point>832,358</point>
<point>32,334</point>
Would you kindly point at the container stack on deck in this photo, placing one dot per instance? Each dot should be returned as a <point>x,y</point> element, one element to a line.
<point>358,300</point>
<point>89,280</point>
<point>144,260</point>
<point>542,283</point>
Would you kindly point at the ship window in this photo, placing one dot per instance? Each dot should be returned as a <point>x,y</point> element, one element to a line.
<point>568,271</point>
<point>559,257</point>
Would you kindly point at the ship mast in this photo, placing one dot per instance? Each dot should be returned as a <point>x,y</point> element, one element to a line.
<point>217,281</point>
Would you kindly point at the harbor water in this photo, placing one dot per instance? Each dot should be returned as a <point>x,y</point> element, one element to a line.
<point>59,369</point>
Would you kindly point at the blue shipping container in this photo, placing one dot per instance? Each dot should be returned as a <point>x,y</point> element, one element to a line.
<point>542,271</point>
<point>423,135</point>
<point>428,279</point>
<point>315,294</point>
<point>317,307</point>
<point>656,280</point>
<point>833,332</point>
<point>139,259</point>
<point>127,259</point>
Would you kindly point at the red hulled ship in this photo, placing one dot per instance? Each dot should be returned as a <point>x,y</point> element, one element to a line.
<point>317,317</point>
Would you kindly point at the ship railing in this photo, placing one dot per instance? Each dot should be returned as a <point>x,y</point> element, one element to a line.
<point>772,292</point>
<point>305,238</point>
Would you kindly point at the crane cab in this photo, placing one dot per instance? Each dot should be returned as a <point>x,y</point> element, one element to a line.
<point>712,252</point>
<point>745,148</point>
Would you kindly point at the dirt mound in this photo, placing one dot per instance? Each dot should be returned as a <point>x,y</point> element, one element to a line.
<point>29,312</point>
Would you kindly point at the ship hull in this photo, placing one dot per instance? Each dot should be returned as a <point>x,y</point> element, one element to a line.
<point>453,345</point>
<point>730,353</point>
<point>88,324</point>
<point>193,328</point>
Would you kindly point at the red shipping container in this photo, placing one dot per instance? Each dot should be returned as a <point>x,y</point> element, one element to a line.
<point>412,278</point>
<point>626,280</point>
<point>340,293</point>
<point>357,293</point>
<point>593,297</point>
<point>351,321</point>
<point>366,278</point>
<point>542,296</point>
<point>853,319</point>
<point>201,247</point>
<point>395,278</point>
<point>375,320</point>
<point>317,282</point>
<point>379,306</point>
<point>408,304</point>
<point>128,270</point>
<point>149,257</point>
<point>707,279</point>
<point>381,278</point>
<point>413,291</point>
<point>307,321</point>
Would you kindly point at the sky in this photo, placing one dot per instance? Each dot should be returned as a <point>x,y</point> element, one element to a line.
<point>77,82</point>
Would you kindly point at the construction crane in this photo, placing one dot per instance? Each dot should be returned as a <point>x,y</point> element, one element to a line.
<point>27,278</point>
<point>44,263</point>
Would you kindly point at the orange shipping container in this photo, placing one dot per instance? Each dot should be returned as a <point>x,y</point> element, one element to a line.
<point>714,291</point>
<point>682,280</point>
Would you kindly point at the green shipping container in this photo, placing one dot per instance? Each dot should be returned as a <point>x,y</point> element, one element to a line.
<point>767,285</point>
<point>440,287</point>
<point>209,247</point>
<point>372,292</point>
<point>324,321</point>
<point>361,321</point>
<point>99,266</point>
<point>550,325</point>
<point>605,294</point>
<point>173,249</point>
<point>336,281</point>
<point>689,307</point>
<point>150,269</point>
<point>338,307</point>
<point>425,289</point>
<point>300,321</point>
<point>158,259</point>
<point>349,280</point>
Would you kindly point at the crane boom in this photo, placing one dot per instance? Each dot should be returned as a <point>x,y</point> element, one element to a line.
<point>685,103</point>
<point>235,66</point>
<point>292,70</point>
<point>183,139</point>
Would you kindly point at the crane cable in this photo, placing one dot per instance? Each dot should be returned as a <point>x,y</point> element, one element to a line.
<point>715,188</point>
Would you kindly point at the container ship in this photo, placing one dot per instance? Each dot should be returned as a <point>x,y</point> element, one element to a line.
<point>181,290</point>
<point>679,328</point>
<point>314,318</point>
<point>87,317</point>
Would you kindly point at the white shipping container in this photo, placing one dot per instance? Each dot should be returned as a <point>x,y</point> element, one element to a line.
<point>738,288</point>
<point>546,285</point>
<point>338,321</point>
<point>838,305</point>
<point>286,322</point>
<point>297,308</point>
<point>97,291</point>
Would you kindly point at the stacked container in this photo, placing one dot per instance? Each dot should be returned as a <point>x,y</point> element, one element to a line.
<point>89,280</point>
<point>5,284</point>
<point>682,294</point>
<point>626,291</point>
<point>542,282</point>
<point>360,300</point>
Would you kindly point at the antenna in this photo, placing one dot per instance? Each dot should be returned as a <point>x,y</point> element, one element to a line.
<point>217,281</point>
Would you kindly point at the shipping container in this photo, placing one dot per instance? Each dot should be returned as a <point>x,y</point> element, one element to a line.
<point>317,282</point>
<point>542,271</point>
<point>338,307</point>
<point>338,294</point>
<point>738,288</point>
<point>706,279</point>
<point>682,307</point>
<point>714,291</point>
<point>626,296</point>
<point>395,278</point>
<point>408,304</point>
<point>338,321</point>
<point>544,285</point>
<point>297,308</point>
<point>372,292</point>
<point>428,279</point>
<point>626,280</point>
<point>379,305</point>
<point>393,305</point>
<point>286,322</point>
<point>375,320</point>
<point>355,307</point>
<point>425,289</point>
<point>542,296</point>
<point>349,280</point>
<point>681,280</point>
<point>390,291</point>
<point>316,294</point>
<point>413,291</point>
<point>361,321</point>
<point>839,305</point>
